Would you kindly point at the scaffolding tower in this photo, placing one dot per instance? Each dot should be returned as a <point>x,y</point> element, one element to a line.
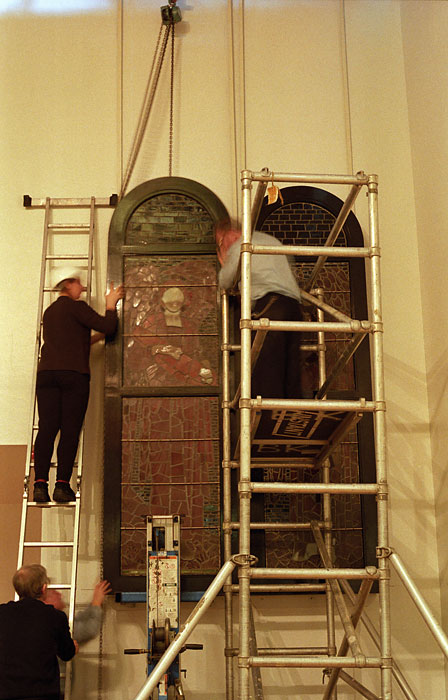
<point>332,581</point>
<point>335,579</point>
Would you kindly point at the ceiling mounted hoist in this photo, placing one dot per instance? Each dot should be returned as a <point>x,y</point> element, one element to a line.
<point>171,15</point>
<point>163,602</point>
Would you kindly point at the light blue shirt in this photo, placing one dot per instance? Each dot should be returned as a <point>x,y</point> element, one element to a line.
<point>270,273</point>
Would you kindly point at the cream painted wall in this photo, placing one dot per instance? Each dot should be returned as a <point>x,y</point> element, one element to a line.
<point>427,98</point>
<point>69,125</point>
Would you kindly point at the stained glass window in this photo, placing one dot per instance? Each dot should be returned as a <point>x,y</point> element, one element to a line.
<point>162,445</point>
<point>170,466</point>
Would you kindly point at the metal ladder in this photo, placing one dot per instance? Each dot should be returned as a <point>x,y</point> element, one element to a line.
<point>52,229</point>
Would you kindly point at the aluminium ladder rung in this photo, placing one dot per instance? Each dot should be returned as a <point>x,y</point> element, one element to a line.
<point>53,465</point>
<point>68,202</point>
<point>48,544</point>
<point>66,257</point>
<point>51,504</point>
<point>69,227</point>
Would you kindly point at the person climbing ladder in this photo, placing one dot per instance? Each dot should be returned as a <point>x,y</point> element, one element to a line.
<point>63,379</point>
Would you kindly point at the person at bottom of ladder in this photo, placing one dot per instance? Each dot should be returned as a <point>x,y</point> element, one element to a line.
<point>63,379</point>
<point>32,637</point>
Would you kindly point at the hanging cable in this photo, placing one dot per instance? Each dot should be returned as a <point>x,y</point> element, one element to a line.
<point>348,117</point>
<point>170,148</point>
<point>170,16</point>
<point>147,104</point>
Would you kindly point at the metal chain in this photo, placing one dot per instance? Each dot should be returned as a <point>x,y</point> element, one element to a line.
<point>170,156</point>
<point>101,636</point>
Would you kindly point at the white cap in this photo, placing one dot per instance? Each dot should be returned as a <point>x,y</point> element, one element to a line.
<point>60,274</point>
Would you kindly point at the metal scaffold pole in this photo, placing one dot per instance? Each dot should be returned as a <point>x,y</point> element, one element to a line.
<point>245,441</point>
<point>380,441</point>
<point>226,481</point>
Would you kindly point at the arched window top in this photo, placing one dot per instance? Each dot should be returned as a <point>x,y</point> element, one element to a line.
<point>166,210</point>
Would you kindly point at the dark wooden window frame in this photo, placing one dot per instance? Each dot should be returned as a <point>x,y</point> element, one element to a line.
<point>114,389</point>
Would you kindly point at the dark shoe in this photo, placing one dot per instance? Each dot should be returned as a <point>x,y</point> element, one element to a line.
<point>63,493</point>
<point>40,493</point>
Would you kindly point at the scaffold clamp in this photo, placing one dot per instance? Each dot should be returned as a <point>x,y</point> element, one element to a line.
<point>383,552</point>
<point>244,559</point>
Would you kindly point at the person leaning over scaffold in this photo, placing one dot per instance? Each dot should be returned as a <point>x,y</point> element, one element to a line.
<point>275,295</point>
<point>63,379</point>
<point>32,638</point>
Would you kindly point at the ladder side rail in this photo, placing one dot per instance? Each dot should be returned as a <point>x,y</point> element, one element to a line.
<point>227,494</point>
<point>90,251</point>
<point>79,464</point>
<point>380,439</point>
<point>33,406</point>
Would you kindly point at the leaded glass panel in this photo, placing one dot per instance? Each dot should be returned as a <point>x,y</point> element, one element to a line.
<point>170,329</point>
<point>170,466</point>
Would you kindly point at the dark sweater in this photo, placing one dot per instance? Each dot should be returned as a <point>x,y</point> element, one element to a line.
<point>32,636</point>
<point>66,334</point>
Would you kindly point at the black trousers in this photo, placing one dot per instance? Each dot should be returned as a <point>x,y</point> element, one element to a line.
<point>62,398</point>
<point>277,372</point>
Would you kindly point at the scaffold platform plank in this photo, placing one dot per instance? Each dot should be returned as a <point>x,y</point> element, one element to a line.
<point>310,435</point>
